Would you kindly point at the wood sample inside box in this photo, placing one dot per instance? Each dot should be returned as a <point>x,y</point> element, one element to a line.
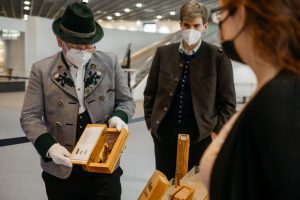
<point>99,148</point>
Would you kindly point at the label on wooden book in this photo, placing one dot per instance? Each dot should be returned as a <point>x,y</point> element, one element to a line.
<point>156,187</point>
<point>86,144</point>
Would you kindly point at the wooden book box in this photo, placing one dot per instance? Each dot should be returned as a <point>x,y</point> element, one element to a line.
<point>182,160</point>
<point>99,148</point>
<point>182,192</point>
<point>156,187</point>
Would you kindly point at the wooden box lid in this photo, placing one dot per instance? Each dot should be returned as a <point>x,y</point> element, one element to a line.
<point>99,148</point>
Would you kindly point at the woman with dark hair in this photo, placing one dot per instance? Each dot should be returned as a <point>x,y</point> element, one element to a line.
<point>257,153</point>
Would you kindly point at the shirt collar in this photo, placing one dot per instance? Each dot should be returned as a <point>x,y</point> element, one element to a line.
<point>193,51</point>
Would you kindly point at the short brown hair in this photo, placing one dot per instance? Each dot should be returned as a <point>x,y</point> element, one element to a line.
<point>275,28</point>
<point>194,9</point>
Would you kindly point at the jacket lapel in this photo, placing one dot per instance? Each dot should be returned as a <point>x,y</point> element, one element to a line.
<point>61,76</point>
<point>200,65</point>
<point>175,62</point>
<point>93,77</point>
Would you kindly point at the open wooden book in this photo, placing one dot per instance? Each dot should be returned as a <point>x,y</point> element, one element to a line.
<point>99,148</point>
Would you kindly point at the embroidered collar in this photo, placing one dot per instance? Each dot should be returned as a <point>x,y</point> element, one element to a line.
<point>90,81</point>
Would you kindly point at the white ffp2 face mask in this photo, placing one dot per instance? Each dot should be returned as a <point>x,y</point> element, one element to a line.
<point>191,36</point>
<point>78,57</point>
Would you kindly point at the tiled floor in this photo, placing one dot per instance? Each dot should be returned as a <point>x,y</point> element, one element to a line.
<point>19,164</point>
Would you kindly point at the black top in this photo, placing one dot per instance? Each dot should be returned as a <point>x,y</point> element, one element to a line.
<point>260,159</point>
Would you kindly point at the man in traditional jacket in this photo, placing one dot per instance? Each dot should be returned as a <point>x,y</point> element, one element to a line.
<point>67,91</point>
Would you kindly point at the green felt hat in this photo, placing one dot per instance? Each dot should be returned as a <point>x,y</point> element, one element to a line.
<point>77,25</point>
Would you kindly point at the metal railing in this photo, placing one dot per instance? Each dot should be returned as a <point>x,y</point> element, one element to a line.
<point>14,77</point>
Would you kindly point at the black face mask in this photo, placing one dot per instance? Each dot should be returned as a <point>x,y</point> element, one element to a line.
<point>230,51</point>
<point>228,45</point>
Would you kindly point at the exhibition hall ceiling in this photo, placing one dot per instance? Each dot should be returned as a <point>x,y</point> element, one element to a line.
<point>103,9</point>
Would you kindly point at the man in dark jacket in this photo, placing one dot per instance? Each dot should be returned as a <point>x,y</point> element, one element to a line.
<point>189,90</point>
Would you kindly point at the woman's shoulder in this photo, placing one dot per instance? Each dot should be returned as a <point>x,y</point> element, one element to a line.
<point>281,88</point>
<point>277,103</point>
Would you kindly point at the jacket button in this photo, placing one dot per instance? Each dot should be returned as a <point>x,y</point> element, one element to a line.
<point>176,80</point>
<point>60,102</point>
<point>170,94</point>
<point>93,66</point>
<point>102,98</point>
<point>87,90</point>
<point>58,124</point>
<point>157,122</point>
<point>165,109</point>
<point>60,68</point>
<point>57,77</point>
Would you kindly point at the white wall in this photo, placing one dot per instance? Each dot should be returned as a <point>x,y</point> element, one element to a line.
<point>40,41</point>
<point>244,79</point>
<point>116,41</point>
<point>15,55</point>
<point>162,26</point>
<point>11,23</point>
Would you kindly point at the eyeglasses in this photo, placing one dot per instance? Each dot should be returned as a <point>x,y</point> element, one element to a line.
<point>88,48</point>
<point>216,13</point>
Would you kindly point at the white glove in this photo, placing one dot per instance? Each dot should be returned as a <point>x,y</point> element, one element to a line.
<point>60,155</point>
<point>116,122</point>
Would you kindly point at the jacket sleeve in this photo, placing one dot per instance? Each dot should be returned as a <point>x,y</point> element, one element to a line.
<point>151,88</point>
<point>124,105</point>
<point>32,114</point>
<point>225,97</point>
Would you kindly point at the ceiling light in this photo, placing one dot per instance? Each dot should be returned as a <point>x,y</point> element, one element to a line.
<point>85,1</point>
<point>117,14</point>
<point>26,7</point>
<point>26,2</point>
<point>25,17</point>
<point>158,16</point>
<point>148,10</point>
<point>109,17</point>
<point>172,13</point>
<point>127,10</point>
<point>98,11</point>
<point>139,5</point>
